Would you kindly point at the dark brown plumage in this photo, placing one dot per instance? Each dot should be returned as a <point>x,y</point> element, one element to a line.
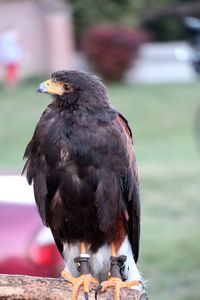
<point>82,165</point>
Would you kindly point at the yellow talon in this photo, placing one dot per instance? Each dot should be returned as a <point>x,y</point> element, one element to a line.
<point>86,280</point>
<point>117,283</point>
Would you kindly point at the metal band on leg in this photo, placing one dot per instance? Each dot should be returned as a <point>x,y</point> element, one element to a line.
<point>83,265</point>
<point>117,266</point>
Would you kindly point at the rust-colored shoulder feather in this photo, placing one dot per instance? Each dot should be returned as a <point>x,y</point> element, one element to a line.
<point>130,187</point>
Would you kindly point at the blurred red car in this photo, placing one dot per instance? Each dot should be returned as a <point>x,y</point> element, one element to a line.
<point>26,246</point>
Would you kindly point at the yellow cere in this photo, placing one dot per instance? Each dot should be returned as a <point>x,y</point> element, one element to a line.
<point>54,87</point>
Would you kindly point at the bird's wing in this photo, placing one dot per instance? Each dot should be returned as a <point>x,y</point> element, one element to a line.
<point>36,172</point>
<point>36,168</point>
<point>130,187</point>
<point>47,184</point>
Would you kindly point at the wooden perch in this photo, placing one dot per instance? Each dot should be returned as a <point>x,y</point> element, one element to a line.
<point>27,287</point>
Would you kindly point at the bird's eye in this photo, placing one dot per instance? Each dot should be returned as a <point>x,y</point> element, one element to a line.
<point>68,88</point>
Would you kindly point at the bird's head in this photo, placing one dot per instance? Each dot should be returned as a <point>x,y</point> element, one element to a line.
<point>70,87</point>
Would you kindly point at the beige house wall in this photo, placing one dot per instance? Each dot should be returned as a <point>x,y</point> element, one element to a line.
<point>46,34</point>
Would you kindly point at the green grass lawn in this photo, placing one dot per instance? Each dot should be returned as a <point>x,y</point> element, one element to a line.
<point>162,120</point>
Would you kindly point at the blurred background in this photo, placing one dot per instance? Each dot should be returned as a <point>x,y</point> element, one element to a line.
<point>148,53</point>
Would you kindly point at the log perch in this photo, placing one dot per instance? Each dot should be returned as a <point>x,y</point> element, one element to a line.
<point>20,287</point>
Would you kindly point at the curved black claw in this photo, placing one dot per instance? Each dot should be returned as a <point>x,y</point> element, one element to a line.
<point>97,291</point>
<point>142,284</point>
<point>86,296</point>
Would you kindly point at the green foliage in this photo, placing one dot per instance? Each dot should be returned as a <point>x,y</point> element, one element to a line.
<point>90,12</point>
<point>167,29</point>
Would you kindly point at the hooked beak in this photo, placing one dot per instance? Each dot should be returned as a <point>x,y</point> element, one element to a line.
<point>51,87</point>
<point>41,88</point>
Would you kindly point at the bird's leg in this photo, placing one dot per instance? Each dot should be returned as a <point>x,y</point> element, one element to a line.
<point>85,278</point>
<point>116,278</point>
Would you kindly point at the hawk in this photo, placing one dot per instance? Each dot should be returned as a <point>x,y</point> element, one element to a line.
<point>82,164</point>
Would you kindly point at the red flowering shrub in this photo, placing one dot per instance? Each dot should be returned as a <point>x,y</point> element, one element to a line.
<point>111,48</point>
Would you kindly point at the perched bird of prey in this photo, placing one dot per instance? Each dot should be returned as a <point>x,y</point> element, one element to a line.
<point>83,168</point>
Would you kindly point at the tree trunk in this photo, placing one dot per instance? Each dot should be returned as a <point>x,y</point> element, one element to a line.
<point>37,288</point>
